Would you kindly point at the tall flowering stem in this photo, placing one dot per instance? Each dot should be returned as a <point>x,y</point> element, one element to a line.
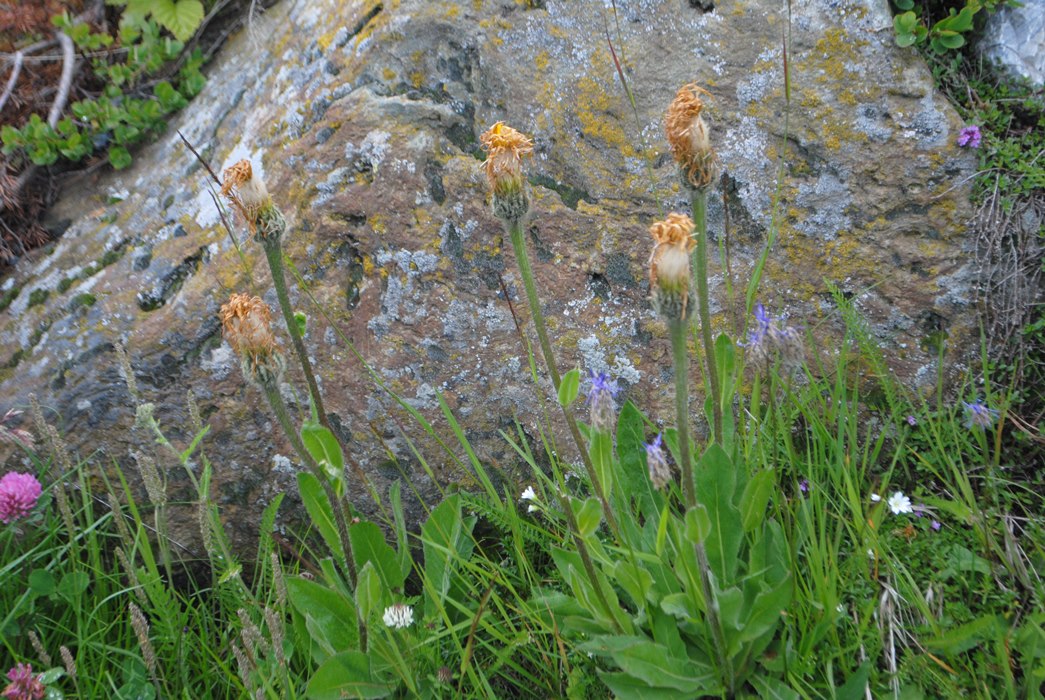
<point>670,282</point>
<point>250,197</point>
<point>700,280</point>
<point>690,143</point>
<point>246,325</point>
<point>506,148</point>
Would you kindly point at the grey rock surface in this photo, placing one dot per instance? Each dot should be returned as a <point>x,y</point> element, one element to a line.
<point>364,119</point>
<point>1015,38</point>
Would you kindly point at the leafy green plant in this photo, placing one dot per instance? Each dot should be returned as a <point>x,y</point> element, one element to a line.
<point>131,106</point>
<point>946,34</point>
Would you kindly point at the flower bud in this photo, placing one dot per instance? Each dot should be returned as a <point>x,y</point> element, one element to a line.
<point>669,266</point>
<point>600,401</point>
<point>688,137</point>
<point>659,471</point>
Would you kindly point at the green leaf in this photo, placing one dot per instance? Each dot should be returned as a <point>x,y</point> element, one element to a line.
<point>625,687</point>
<point>588,514</point>
<point>42,582</point>
<point>346,675</point>
<point>569,387</point>
<point>950,40</point>
<point>402,543</point>
<point>330,617</point>
<point>301,321</point>
<point>321,512</point>
<point>119,157</point>
<point>755,499</point>
<point>716,482</point>
<point>182,18</point>
<point>324,448</point>
<point>904,4</point>
<point>905,39</point>
<point>368,591</point>
<point>698,524</point>
<point>634,579</point>
<point>446,540</point>
<point>368,545</point>
<point>633,473</point>
<point>855,686</point>
<point>770,688</point>
<point>652,664</point>
<point>51,675</point>
<point>967,636</point>
<point>72,585</point>
<point>905,23</point>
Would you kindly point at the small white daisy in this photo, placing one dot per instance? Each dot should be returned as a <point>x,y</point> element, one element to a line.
<point>875,498</point>
<point>528,495</point>
<point>899,503</point>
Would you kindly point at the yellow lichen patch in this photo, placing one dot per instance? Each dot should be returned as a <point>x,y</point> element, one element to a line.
<point>453,11</point>
<point>558,32</point>
<point>541,60</point>
<point>378,224</point>
<point>388,74</point>
<point>417,79</point>
<point>597,121</point>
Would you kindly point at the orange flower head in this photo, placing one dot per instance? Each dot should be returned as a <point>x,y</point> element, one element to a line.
<point>669,270</point>
<point>506,148</point>
<point>688,136</point>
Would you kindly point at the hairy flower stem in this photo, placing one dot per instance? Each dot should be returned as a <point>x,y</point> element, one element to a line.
<point>522,258</point>
<point>681,360</point>
<point>700,282</point>
<point>274,255</point>
<point>348,560</point>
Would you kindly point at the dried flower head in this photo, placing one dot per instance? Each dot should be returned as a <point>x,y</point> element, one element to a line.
<point>505,148</point>
<point>688,137</point>
<point>244,190</point>
<point>669,272</point>
<point>18,495</point>
<point>245,321</point>
<point>24,685</point>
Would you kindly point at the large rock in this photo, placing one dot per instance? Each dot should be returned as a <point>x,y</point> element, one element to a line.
<point>364,119</point>
<point>1015,38</point>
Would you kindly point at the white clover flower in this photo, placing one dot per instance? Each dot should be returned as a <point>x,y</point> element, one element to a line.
<point>398,616</point>
<point>875,498</point>
<point>899,503</point>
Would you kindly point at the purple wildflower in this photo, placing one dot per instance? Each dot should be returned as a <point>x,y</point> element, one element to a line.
<point>24,685</point>
<point>18,495</point>
<point>918,510</point>
<point>770,339</point>
<point>803,486</point>
<point>979,415</point>
<point>659,472</point>
<point>600,401</point>
<point>969,137</point>
<point>935,525</point>
<point>911,421</point>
